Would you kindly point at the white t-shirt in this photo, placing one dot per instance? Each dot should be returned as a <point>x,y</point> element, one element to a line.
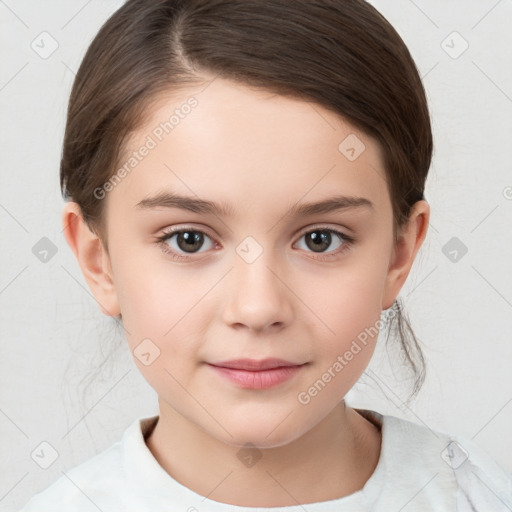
<point>418,470</point>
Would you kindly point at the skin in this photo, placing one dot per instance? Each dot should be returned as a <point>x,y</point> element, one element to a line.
<point>260,154</point>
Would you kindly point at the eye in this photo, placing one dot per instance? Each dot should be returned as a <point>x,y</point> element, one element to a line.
<point>180,242</point>
<point>321,238</point>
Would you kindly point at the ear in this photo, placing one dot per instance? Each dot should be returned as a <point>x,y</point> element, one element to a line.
<point>92,258</point>
<point>409,240</point>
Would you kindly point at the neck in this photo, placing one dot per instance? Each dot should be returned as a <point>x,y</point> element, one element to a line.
<point>332,460</point>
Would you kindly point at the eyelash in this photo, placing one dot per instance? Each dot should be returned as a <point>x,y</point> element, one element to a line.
<point>348,241</point>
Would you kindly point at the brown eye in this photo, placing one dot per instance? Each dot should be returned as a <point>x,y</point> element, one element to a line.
<point>189,241</point>
<point>320,240</point>
<point>185,241</point>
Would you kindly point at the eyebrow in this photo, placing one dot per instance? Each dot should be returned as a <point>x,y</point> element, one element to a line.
<point>197,205</point>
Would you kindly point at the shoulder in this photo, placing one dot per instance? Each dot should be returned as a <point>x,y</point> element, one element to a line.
<point>98,483</point>
<point>434,468</point>
<point>77,488</point>
<point>80,488</point>
<point>482,484</point>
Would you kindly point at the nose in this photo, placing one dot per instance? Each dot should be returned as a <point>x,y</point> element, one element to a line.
<point>258,297</point>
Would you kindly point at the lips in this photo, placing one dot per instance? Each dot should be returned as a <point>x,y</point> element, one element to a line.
<point>256,374</point>
<point>254,364</point>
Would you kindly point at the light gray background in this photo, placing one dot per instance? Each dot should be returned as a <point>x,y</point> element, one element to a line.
<point>53,334</point>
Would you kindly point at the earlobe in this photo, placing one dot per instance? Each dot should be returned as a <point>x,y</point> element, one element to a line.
<point>409,242</point>
<point>92,258</point>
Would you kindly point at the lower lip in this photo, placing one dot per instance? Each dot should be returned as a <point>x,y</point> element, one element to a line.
<point>262,379</point>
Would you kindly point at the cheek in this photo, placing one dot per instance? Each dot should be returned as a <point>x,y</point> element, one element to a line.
<point>351,299</point>
<point>350,308</point>
<point>159,300</point>
<point>163,316</point>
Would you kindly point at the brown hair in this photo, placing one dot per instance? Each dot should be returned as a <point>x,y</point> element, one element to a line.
<point>340,54</point>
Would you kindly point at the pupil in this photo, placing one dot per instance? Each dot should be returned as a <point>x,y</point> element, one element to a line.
<point>189,240</point>
<point>319,241</point>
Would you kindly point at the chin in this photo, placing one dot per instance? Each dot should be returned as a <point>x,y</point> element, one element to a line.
<point>261,433</point>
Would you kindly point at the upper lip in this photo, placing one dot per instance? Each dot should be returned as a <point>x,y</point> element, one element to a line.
<point>255,364</point>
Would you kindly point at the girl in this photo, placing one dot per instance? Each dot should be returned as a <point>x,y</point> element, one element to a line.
<point>246,197</point>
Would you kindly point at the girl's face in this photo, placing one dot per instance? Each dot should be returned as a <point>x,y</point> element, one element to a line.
<point>285,251</point>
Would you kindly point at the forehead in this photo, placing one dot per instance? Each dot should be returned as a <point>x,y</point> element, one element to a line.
<point>248,148</point>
